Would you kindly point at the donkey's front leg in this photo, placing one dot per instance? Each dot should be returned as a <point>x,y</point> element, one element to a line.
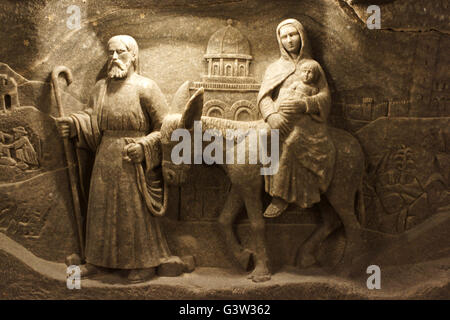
<point>233,205</point>
<point>254,206</point>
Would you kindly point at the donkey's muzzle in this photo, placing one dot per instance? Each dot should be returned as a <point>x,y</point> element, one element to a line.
<point>175,174</point>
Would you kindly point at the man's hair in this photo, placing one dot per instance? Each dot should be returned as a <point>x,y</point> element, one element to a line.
<point>131,46</point>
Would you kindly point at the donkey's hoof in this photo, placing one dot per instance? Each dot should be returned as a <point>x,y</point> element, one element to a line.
<point>259,277</point>
<point>260,274</point>
<point>305,260</point>
<point>343,270</point>
<point>243,258</point>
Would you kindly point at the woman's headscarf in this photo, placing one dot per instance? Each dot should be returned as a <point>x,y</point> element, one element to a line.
<point>305,49</point>
<point>278,71</point>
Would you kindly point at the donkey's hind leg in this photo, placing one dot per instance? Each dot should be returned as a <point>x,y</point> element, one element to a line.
<point>305,256</point>
<point>345,208</point>
<point>233,205</point>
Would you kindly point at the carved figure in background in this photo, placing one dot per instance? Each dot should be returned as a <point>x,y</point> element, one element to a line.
<point>24,151</point>
<point>410,186</point>
<point>5,153</point>
<point>307,153</point>
<point>120,126</point>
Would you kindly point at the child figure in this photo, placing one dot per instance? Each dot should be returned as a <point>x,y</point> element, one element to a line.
<point>306,86</point>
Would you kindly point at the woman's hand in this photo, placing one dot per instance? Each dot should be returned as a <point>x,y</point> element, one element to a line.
<point>291,106</point>
<point>277,121</point>
<point>135,152</point>
<point>66,127</point>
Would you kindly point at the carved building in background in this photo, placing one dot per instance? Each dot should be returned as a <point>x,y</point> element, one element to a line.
<point>9,98</point>
<point>230,90</point>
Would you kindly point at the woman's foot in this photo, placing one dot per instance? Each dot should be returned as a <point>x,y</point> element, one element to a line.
<point>276,208</point>
<point>141,275</point>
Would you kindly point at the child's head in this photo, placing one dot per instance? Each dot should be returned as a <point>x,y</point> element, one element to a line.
<point>309,72</point>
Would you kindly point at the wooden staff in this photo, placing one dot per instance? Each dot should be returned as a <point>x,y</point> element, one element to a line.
<point>71,163</point>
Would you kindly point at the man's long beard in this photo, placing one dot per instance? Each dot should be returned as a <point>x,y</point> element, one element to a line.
<point>118,69</point>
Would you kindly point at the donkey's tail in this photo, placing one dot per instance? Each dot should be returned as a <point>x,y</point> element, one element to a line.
<point>360,207</point>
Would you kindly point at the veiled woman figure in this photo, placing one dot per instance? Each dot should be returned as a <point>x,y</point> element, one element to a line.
<point>307,152</point>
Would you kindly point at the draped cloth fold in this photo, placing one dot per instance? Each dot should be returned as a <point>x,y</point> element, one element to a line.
<point>150,181</point>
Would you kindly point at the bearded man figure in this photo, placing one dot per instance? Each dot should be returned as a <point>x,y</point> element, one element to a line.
<point>121,127</point>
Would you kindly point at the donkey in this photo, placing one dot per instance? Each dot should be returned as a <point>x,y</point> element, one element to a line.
<point>247,189</point>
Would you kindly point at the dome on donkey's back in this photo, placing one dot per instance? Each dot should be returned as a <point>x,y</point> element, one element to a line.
<point>228,42</point>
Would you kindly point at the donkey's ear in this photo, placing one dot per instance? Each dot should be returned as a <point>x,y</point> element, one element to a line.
<point>193,110</point>
<point>180,98</point>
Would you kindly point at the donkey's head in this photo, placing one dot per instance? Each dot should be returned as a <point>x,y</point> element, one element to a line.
<point>177,139</point>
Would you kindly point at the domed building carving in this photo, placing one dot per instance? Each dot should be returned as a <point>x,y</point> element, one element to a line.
<point>228,53</point>
<point>230,90</point>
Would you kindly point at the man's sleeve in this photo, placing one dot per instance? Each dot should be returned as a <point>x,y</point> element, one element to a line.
<point>156,105</point>
<point>87,135</point>
<point>157,108</point>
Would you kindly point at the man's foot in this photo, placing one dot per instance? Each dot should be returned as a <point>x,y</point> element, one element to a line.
<point>141,275</point>
<point>88,270</point>
<point>172,267</point>
<point>276,208</point>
